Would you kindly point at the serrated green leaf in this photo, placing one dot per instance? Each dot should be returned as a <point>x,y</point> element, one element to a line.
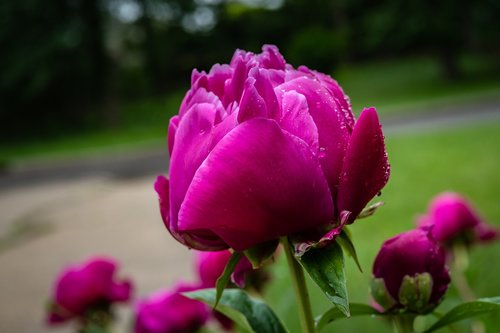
<point>223,280</point>
<point>257,255</point>
<point>356,309</point>
<point>345,240</point>
<point>249,314</point>
<point>326,267</point>
<point>467,310</point>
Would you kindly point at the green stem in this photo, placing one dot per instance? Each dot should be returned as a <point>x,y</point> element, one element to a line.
<point>403,323</point>
<point>300,288</point>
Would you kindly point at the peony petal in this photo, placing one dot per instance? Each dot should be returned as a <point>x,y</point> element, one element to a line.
<point>271,58</point>
<point>172,128</point>
<point>265,88</point>
<point>366,169</point>
<point>247,203</point>
<point>332,129</point>
<point>252,105</point>
<point>297,120</point>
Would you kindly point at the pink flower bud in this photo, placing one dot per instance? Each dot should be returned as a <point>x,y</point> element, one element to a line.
<point>261,150</point>
<point>90,286</point>
<point>410,273</point>
<point>451,219</point>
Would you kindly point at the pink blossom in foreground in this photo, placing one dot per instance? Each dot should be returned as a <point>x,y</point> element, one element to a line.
<point>453,219</point>
<point>81,288</point>
<point>261,150</point>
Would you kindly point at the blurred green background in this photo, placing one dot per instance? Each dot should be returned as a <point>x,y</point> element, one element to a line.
<point>78,74</point>
<point>84,75</point>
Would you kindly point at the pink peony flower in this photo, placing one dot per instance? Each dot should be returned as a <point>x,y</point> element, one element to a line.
<point>261,150</point>
<point>170,312</point>
<point>452,219</point>
<point>82,288</point>
<point>410,272</point>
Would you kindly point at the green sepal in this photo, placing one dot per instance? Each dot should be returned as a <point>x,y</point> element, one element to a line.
<point>223,280</point>
<point>415,293</point>
<point>380,294</point>
<point>257,255</point>
<point>370,210</point>
<point>326,267</point>
<point>249,314</point>
<point>345,240</point>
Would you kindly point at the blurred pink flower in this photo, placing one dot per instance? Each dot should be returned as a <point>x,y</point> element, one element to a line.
<point>89,286</point>
<point>452,219</point>
<point>170,312</point>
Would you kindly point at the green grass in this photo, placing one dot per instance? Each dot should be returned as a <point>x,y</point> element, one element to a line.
<point>397,86</point>
<point>465,160</point>
<point>403,86</point>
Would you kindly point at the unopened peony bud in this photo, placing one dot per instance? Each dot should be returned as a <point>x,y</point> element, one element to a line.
<point>452,219</point>
<point>410,273</point>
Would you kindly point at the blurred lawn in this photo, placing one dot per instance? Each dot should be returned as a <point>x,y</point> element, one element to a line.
<point>398,86</point>
<point>466,160</point>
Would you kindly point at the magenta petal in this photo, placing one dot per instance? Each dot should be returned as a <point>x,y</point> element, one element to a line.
<point>246,203</point>
<point>172,128</point>
<point>332,127</point>
<point>297,120</point>
<point>252,105</point>
<point>366,169</point>
<point>265,88</point>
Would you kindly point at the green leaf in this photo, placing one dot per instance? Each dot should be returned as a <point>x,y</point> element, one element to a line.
<point>250,314</point>
<point>345,240</point>
<point>223,280</point>
<point>257,255</point>
<point>326,268</point>
<point>467,310</point>
<point>334,313</point>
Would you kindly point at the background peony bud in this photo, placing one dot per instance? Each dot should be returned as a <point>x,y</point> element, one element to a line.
<point>453,220</point>
<point>91,286</point>
<point>261,150</point>
<point>410,273</point>
<point>170,312</point>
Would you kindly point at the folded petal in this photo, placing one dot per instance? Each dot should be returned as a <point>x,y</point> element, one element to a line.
<point>365,170</point>
<point>249,191</point>
<point>172,128</point>
<point>332,127</point>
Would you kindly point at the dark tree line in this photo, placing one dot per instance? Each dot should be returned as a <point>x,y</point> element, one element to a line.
<point>66,64</point>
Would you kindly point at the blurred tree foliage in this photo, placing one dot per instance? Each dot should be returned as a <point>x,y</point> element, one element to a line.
<point>67,65</point>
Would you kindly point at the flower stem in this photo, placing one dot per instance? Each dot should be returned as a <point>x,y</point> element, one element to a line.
<point>300,289</point>
<point>403,323</point>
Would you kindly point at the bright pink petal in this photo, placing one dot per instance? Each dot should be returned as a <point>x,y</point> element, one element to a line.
<point>332,127</point>
<point>252,105</point>
<point>247,203</point>
<point>172,128</point>
<point>366,169</point>
<point>297,120</point>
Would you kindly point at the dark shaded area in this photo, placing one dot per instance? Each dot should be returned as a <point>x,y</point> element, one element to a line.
<point>70,65</point>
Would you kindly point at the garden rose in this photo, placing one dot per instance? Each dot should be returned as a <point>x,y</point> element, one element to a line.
<point>90,286</point>
<point>410,273</point>
<point>452,219</point>
<point>170,312</point>
<point>261,150</point>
